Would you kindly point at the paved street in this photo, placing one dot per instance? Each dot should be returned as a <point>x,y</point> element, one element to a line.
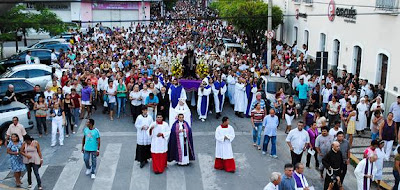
<point>63,167</point>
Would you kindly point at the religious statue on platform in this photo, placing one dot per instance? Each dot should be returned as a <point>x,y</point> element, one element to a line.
<point>189,65</point>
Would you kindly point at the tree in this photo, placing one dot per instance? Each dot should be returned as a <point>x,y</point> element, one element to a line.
<point>18,19</point>
<point>249,16</point>
<point>169,4</point>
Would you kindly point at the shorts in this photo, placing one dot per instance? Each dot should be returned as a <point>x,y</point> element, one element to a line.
<point>289,119</point>
<point>111,106</point>
<point>351,127</point>
<point>86,103</point>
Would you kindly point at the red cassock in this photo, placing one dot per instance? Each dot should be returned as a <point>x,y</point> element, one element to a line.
<point>228,165</point>
<point>159,161</point>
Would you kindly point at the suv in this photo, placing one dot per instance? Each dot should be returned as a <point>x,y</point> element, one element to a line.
<point>271,85</point>
<point>14,109</point>
<point>22,88</point>
<point>44,56</point>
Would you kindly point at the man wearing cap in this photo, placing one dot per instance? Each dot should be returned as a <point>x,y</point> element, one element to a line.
<point>395,109</point>
<point>302,89</point>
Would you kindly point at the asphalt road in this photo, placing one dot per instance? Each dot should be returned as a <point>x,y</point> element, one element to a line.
<point>63,167</point>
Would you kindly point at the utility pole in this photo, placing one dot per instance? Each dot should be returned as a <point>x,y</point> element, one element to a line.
<point>269,29</point>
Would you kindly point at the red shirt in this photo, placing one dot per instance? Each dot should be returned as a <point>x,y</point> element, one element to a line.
<point>75,99</point>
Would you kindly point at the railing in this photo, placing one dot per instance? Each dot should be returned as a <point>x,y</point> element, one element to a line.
<point>387,5</point>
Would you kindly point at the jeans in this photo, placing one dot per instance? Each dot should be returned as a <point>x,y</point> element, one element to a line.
<point>76,116</point>
<point>324,105</point>
<point>86,157</point>
<point>35,168</point>
<point>396,179</point>
<point>257,133</point>
<point>273,144</point>
<point>374,135</point>
<point>332,119</point>
<point>121,103</point>
<point>41,122</point>
<point>303,103</point>
<point>68,117</point>
<point>296,158</point>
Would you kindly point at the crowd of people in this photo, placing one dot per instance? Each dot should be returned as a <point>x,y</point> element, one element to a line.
<point>127,72</point>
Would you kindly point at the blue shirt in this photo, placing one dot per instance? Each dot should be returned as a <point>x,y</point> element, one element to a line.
<point>287,183</point>
<point>262,104</point>
<point>271,125</point>
<point>303,90</point>
<point>395,109</point>
<point>91,137</point>
<point>149,101</point>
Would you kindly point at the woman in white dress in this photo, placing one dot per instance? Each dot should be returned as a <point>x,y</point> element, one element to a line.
<point>181,108</point>
<point>362,110</point>
<point>379,163</point>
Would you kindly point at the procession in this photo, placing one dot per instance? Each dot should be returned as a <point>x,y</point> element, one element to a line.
<point>174,86</point>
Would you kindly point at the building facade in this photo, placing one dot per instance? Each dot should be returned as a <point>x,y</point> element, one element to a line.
<point>109,13</point>
<point>359,35</point>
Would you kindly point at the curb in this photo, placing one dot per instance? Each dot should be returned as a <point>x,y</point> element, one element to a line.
<point>383,183</point>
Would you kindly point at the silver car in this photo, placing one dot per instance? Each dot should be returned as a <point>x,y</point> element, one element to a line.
<point>14,109</point>
<point>38,74</point>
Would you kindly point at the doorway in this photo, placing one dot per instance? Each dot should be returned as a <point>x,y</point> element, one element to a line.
<point>322,42</point>
<point>357,53</point>
<point>336,53</point>
<point>383,61</point>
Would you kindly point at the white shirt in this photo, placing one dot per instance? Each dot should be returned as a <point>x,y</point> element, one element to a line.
<point>298,139</point>
<point>333,132</point>
<point>142,137</point>
<point>53,57</point>
<point>223,147</point>
<point>28,59</point>
<point>271,186</point>
<point>111,98</point>
<point>144,94</point>
<point>102,83</point>
<point>67,90</point>
<point>159,144</point>
<point>325,95</point>
<point>136,96</point>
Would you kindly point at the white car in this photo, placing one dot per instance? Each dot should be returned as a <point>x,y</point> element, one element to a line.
<point>14,109</point>
<point>271,85</point>
<point>229,46</point>
<point>38,74</point>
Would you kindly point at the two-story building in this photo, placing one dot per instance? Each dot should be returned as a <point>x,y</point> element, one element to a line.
<point>360,36</point>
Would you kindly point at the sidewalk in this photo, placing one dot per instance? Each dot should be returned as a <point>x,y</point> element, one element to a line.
<point>359,145</point>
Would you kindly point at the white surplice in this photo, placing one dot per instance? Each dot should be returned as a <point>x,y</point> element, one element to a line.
<point>361,124</point>
<point>159,144</point>
<point>240,97</point>
<point>201,93</point>
<point>231,80</point>
<point>174,112</point>
<point>359,172</point>
<point>216,92</point>
<point>223,147</point>
<point>143,137</point>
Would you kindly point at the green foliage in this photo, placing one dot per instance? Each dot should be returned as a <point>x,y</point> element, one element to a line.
<point>249,16</point>
<point>18,19</point>
<point>169,4</point>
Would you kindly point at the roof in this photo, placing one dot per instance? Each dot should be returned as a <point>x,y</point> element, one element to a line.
<point>275,79</point>
<point>33,66</point>
<point>8,79</point>
<point>41,49</point>
<point>52,39</point>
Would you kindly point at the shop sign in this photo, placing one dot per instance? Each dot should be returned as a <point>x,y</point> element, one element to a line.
<point>349,14</point>
<point>115,5</point>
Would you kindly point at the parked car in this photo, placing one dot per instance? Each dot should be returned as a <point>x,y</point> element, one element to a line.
<point>37,74</point>
<point>224,40</point>
<point>44,56</point>
<point>229,46</point>
<point>64,46</point>
<point>271,85</point>
<point>22,88</point>
<point>14,109</point>
<point>42,43</point>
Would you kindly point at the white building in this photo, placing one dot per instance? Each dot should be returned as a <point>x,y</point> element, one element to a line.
<point>119,12</point>
<point>360,36</point>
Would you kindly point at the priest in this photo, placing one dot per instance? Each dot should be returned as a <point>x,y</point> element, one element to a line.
<point>142,124</point>
<point>180,146</point>
<point>175,92</point>
<point>219,89</point>
<point>240,97</point>
<point>204,92</point>
<point>365,172</point>
<point>159,132</point>
<point>224,135</point>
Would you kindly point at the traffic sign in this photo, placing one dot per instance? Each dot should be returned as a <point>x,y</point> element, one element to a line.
<point>270,34</point>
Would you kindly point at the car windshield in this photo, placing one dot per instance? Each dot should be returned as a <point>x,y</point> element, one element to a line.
<point>274,87</point>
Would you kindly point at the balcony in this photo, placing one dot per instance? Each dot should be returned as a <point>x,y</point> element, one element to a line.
<point>297,2</point>
<point>387,6</point>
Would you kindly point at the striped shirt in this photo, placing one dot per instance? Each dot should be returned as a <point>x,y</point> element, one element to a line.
<point>257,116</point>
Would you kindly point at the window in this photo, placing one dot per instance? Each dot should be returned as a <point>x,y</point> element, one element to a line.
<point>306,37</point>
<point>322,42</point>
<point>383,61</point>
<point>35,73</point>
<point>3,87</point>
<point>19,74</point>
<point>387,5</point>
<point>41,54</point>
<point>295,33</point>
<point>21,86</point>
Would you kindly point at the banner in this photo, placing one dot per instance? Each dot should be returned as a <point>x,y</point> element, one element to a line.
<point>115,5</point>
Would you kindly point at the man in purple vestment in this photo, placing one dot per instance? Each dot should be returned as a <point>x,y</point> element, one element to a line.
<point>180,146</point>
